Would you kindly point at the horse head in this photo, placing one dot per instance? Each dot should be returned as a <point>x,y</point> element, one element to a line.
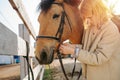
<point>59,20</point>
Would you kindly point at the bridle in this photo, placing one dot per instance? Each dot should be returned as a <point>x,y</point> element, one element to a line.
<point>58,37</point>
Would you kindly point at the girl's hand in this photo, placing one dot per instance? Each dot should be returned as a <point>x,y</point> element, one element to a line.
<point>70,45</point>
<point>67,48</point>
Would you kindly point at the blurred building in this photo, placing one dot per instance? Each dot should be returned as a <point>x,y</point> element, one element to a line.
<point>9,59</point>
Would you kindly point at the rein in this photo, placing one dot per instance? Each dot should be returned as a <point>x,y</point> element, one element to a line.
<point>29,68</point>
<point>58,37</point>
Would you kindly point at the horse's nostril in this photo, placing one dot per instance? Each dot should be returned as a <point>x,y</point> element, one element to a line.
<point>43,55</point>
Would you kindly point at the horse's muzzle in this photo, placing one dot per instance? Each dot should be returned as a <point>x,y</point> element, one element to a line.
<point>46,57</point>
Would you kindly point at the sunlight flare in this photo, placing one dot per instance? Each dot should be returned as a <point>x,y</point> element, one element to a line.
<point>114,6</point>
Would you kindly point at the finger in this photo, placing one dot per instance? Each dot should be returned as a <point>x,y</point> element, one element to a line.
<point>60,51</point>
<point>61,47</point>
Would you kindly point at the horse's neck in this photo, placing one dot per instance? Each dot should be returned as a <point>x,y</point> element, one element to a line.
<point>76,22</point>
<point>77,32</point>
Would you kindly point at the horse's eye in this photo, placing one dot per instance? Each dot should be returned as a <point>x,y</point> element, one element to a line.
<point>55,16</point>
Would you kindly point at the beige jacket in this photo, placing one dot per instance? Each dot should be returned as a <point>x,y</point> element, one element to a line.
<point>100,54</point>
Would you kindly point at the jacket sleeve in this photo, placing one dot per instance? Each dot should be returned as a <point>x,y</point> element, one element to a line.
<point>106,47</point>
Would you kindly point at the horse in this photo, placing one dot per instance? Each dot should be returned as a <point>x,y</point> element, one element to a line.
<point>59,20</point>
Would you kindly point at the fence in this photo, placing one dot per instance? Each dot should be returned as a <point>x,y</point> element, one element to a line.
<point>11,44</point>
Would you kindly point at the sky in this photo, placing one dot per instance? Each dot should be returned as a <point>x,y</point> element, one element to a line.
<point>10,18</point>
<point>116,9</point>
